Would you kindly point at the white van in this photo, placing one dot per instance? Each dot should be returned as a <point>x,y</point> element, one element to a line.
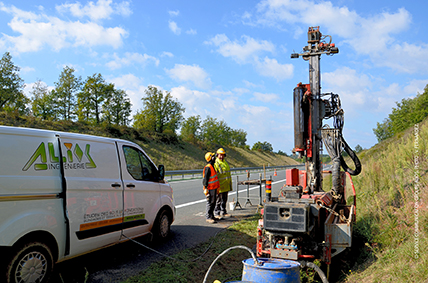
<point>104,191</point>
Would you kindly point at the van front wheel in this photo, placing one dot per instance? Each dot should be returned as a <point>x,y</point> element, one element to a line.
<point>32,262</point>
<point>162,226</point>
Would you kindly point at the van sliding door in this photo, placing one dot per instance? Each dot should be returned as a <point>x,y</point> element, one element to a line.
<point>93,192</point>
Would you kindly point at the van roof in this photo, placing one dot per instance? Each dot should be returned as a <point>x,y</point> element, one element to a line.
<point>43,132</point>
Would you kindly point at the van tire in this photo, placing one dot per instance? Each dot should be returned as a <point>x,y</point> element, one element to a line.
<point>31,262</point>
<point>162,226</point>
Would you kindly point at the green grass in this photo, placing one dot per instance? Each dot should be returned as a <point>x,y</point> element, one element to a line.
<point>395,171</point>
<point>183,268</point>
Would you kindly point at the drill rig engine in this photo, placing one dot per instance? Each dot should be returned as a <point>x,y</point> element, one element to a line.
<point>305,222</point>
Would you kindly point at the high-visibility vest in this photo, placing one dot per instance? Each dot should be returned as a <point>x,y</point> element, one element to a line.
<point>224,176</point>
<point>213,183</point>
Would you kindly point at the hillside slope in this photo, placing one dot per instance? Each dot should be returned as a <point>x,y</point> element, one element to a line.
<point>392,211</point>
<point>163,149</point>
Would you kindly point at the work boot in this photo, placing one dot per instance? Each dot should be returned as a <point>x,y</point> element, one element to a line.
<point>212,221</point>
<point>218,217</point>
<point>226,215</point>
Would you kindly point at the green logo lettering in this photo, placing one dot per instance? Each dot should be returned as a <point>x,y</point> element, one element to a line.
<point>41,152</point>
<point>91,163</point>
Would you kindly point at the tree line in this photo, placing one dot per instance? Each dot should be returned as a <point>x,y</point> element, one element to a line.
<point>408,112</point>
<point>72,99</point>
<point>97,102</point>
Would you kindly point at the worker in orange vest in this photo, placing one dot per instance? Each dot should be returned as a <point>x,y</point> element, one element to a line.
<point>211,186</point>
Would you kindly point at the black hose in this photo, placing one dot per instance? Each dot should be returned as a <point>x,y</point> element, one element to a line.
<point>318,270</point>
<point>337,181</point>
<point>354,158</point>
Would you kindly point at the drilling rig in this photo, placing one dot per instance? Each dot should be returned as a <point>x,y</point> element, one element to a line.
<point>306,221</point>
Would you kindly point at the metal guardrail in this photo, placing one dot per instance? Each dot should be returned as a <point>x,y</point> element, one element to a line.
<point>198,172</point>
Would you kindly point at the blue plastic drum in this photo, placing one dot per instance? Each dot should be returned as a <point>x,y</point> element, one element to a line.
<point>271,270</point>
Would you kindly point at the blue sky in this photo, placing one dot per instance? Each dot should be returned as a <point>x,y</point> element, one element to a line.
<point>229,59</point>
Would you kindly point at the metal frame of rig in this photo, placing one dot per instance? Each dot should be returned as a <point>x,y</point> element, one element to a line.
<point>305,222</point>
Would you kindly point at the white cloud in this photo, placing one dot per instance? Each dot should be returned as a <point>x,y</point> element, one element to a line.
<point>131,58</point>
<point>246,52</point>
<point>241,52</point>
<point>266,97</point>
<point>27,69</point>
<point>174,13</point>
<point>192,100</point>
<point>103,9</point>
<point>194,74</point>
<point>376,35</point>
<point>271,68</point>
<point>250,84</point>
<point>174,28</point>
<point>415,87</point>
<point>37,31</point>
<point>134,88</point>
<point>357,91</point>
<point>18,13</point>
<point>240,91</point>
<point>167,54</point>
<point>191,31</point>
<point>353,89</point>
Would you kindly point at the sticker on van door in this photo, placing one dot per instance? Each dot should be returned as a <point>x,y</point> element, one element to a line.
<point>69,161</point>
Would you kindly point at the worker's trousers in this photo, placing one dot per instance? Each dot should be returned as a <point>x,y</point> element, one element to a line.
<point>220,207</point>
<point>211,201</point>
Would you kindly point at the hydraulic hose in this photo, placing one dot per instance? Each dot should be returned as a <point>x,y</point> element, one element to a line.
<point>354,158</point>
<point>316,268</point>
<point>224,252</point>
<point>337,184</point>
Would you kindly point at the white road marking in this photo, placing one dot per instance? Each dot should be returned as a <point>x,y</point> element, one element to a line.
<point>232,193</point>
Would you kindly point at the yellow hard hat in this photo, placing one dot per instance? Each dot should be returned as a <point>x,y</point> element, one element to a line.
<point>221,151</point>
<point>208,156</point>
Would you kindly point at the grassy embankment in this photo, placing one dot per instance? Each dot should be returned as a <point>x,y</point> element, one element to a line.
<point>392,213</point>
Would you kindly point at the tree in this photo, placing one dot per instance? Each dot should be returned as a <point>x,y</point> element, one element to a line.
<point>407,113</point>
<point>160,112</point>
<point>383,130</point>
<point>66,90</point>
<point>117,108</point>
<point>43,105</point>
<point>215,132</point>
<point>12,97</point>
<point>90,101</point>
<point>358,148</point>
<point>191,129</point>
<point>262,146</point>
<point>238,138</point>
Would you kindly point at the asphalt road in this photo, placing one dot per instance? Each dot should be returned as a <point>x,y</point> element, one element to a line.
<point>115,264</point>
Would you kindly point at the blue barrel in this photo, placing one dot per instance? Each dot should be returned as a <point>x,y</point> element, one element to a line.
<point>271,270</point>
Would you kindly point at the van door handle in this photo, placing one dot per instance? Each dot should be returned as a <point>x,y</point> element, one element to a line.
<point>115,185</point>
<point>130,186</point>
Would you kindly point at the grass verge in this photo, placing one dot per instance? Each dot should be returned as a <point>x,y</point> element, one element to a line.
<point>183,267</point>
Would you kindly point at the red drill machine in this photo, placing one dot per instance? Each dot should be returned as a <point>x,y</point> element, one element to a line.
<point>306,222</point>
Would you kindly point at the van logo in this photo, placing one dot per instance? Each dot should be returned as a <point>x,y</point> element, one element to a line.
<point>69,161</point>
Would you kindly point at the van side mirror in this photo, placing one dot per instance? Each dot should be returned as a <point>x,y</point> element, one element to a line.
<point>161,170</point>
